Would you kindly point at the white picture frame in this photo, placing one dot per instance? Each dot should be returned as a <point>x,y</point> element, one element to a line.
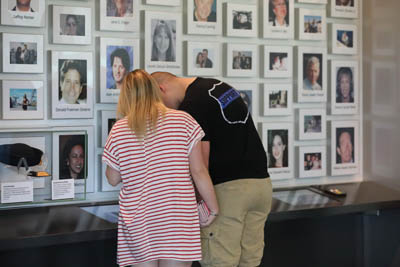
<point>312,161</point>
<point>108,119</point>
<point>278,99</point>
<point>270,28</point>
<point>249,92</point>
<point>203,58</point>
<point>164,2</point>
<point>314,90</point>
<point>384,82</point>
<point>197,24</point>
<point>33,17</point>
<point>312,24</point>
<point>111,20</point>
<point>344,81</point>
<point>23,100</point>
<point>171,59</point>
<point>312,124</point>
<point>344,137</point>
<point>344,39</point>
<point>105,185</point>
<point>278,61</point>
<point>72,25</point>
<point>61,143</point>
<point>241,20</point>
<point>284,146</point>
<point>22,53</point>
<point>242,60</point>
<point>78,67</point>
<point>313,1</point>
<point>126,56</point>
<point>339,11</point>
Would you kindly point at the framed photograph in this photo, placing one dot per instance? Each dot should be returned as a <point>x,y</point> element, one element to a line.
<point>241,20</point>
<point>278,61</point>
<point>312,124</point>
<point>344,147</point>
<point>278,99</point>
<point>344,87</point>
<point>278,142</point>
<point>164,2</point>
<point>23,13</point>
<point>344,8</point>
<point>108,119</point>
<point>313,1</point>
<point>23,100</point>
<point>312,24</point>
<point>118,58</point>
<point>207,17</point>
<point>72,25</point>
<point>73,153</point>
<point>278,19</point>
<point>163,39</point>
<point>242,60</point>
<point>312,74</point>
<point>312,161</point>
<point>105,185</point>
<point>249,93</point>
<point>384,82</point>
<point>22,53</point>
<point>203,59</point>
<point>119,15</point>
<point>72,85</point>
<point>344,39</point>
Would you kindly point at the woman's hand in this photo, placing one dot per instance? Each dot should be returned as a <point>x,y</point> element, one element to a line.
<point>209,220</point>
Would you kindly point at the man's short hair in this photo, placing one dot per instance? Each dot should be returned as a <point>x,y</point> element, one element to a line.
<point>123,55</point>
<point>313,60</point>
<point>71,65</point>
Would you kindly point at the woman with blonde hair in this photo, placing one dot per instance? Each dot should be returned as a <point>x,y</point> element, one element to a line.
<point>154,151</point>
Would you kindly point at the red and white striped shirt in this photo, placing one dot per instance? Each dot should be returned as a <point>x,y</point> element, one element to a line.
<point>158,211</point>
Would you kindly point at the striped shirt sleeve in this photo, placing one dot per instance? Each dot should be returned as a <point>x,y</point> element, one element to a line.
<point>195,133</point>
<point>110,156</point>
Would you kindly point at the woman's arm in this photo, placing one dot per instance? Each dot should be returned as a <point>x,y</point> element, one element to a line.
<point>113,176</point>
<point>203,182</point>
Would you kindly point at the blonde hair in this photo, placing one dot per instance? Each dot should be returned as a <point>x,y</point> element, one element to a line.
<point>140,101</point>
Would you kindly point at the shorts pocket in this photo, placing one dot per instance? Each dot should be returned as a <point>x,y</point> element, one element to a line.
<point>209,246</point>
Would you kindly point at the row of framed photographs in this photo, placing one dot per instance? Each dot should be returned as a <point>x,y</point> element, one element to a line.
<point>72,25</point>
<point>312,160</point>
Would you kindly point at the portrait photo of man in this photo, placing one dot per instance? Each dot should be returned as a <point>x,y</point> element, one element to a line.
<point>205,11</point>
<point>119,64</point>
<point>344,145</point>
<point>72,81</point>
<point>119,8</point>
<point>71,24</point>
<point>22,6</point>
<point>278,13</point>
<point>312,70</point>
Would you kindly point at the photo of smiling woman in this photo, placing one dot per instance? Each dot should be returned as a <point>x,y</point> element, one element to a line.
<point>72,77</point>
<point>163,40</point>
<point>344,85</point>
<point>73,158</point>
<point>277,148</point>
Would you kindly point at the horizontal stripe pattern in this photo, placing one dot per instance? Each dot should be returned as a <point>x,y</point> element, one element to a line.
<point>158,212</point>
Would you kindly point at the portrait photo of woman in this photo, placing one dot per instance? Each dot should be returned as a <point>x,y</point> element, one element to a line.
<point>163,40</point>
<point>278,13</point>
<point>73,158</point>
<point>277,148</point>
<point>344,85</point>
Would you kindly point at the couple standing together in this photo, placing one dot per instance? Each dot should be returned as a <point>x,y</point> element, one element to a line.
<point>157,148</point>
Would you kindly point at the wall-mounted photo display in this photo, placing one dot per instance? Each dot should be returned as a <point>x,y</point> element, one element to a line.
<point>206,18</point>
<point>108,119</point>
<point>30,13</point>
<point>242,60</point>
<point>249,93</point>
<point>278,61</point>
<point>163,39</point>
<point>344,147</point>
<point>344,8</point>
<point>278,99</point>
<point>344,39</point>
<point>241,20</point>
<point>203,59</point>
<point>384,84</point>
<point>72,85</point>
<point>119,15</point>
<point>344,87</point>
<point>312,161</point>
<point>313,1</point>
<point>23,100</point>
<point>118,58</point>
<point>278,142</point>
<point>278,19</point>
<point>105,185</point>
<point>312,74</point>
<point>22,53</point>
<point>312,24</point>
<point>72,25</point>
<point>73,158</point>
<point>164,2</point>
<point>312,124</point>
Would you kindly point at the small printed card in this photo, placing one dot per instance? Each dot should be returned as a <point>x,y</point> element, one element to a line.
<point>17,192</point>
<point>62,189</point>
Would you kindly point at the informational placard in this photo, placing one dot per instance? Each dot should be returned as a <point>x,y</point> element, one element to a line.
<point>17,192</point>
<point>62,189</point>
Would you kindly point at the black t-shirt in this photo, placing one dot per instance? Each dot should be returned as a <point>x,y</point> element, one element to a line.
<point>236,151</point>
